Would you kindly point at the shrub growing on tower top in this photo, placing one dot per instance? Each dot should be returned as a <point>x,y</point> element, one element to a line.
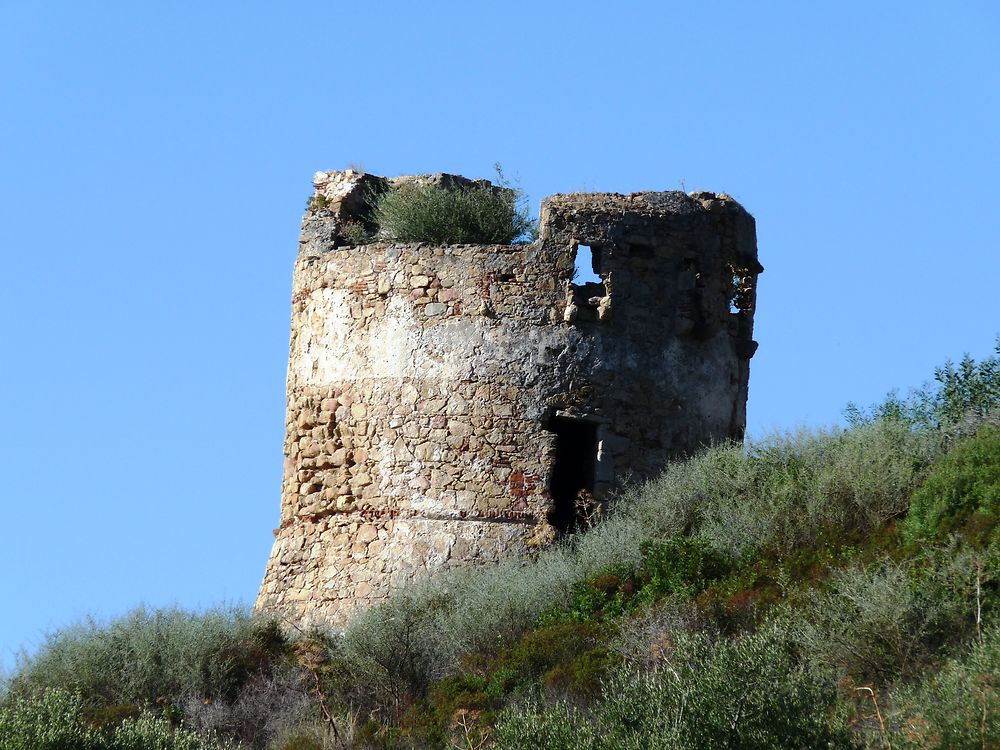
<point>478,213</point>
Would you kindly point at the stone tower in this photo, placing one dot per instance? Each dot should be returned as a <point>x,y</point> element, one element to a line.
<point>447,404</point>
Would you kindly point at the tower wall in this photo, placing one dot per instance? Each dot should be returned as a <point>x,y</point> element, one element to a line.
<point>435,394</point>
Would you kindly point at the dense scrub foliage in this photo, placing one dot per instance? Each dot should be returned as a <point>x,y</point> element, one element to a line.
<point>962,494</point>
<point>833,588</point>
<point>55,720</point>
<point>148,654</point>
<point>747,691</point>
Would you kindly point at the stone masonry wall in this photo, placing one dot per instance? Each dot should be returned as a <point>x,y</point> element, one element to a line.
<point>425,383</point>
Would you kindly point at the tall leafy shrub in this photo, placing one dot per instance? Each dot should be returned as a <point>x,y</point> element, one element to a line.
<point>962,493</point>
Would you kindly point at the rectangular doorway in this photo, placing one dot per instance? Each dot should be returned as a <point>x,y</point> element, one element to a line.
<point>573,469</point>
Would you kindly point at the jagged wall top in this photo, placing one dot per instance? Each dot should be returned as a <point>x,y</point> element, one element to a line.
<point>342,198</point>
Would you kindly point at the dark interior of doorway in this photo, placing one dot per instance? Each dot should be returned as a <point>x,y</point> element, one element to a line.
<point>573,469</point>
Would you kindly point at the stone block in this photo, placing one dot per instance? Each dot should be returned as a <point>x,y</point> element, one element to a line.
<point>435,308</point>
<point>366,533</point>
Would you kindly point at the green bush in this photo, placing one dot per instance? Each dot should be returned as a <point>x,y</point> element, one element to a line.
<point>794,491</point>
<point>560,727</point>
<point>389,652</point>
<point>476,214</point>
<point>748,692</point>
<point>55,720</point>
<point>961,494</point>
<point>458,692</point>
<point>778,495</point>
<point>566,656</point>
<point>606,595</point>
<point>879,622</point>
<point>432,720</point>
<point>580,677</point>
<point>155,657</point>
<point>745,693</point>
<point>958,707</point>
<point>402,646</point>
<point>52,721</point>
<point>153,733</point>
<point>678,566</point>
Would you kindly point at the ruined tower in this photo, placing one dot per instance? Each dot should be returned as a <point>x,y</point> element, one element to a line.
<point>447,404</point>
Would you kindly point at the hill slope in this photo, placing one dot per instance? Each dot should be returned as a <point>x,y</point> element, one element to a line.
<point>830,588</point>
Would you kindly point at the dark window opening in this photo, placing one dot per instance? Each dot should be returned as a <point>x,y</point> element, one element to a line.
<point>573,469</point>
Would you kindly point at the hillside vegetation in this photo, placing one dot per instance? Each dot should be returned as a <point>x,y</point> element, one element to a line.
<point>823,588</point>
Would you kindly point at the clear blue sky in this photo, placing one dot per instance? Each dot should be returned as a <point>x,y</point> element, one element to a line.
<point>156,157</point>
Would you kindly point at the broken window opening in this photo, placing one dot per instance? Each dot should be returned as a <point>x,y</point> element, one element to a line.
<point>573,471</point>
<point>734,294</point>
<point>585,267</point>
<point>587,300</point>
<point>740,289</point>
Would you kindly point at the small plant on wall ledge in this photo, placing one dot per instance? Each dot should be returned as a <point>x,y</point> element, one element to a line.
<point>476,214</point>
<point>356,233</point>
<point>317,203</point>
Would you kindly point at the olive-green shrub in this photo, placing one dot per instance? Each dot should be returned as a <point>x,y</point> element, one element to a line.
<point>55,720</point>
<point>961,494</point>
<point>150,657</point>
<point>878,622</point>
<point>957,707</point>
<point>746,693</point>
